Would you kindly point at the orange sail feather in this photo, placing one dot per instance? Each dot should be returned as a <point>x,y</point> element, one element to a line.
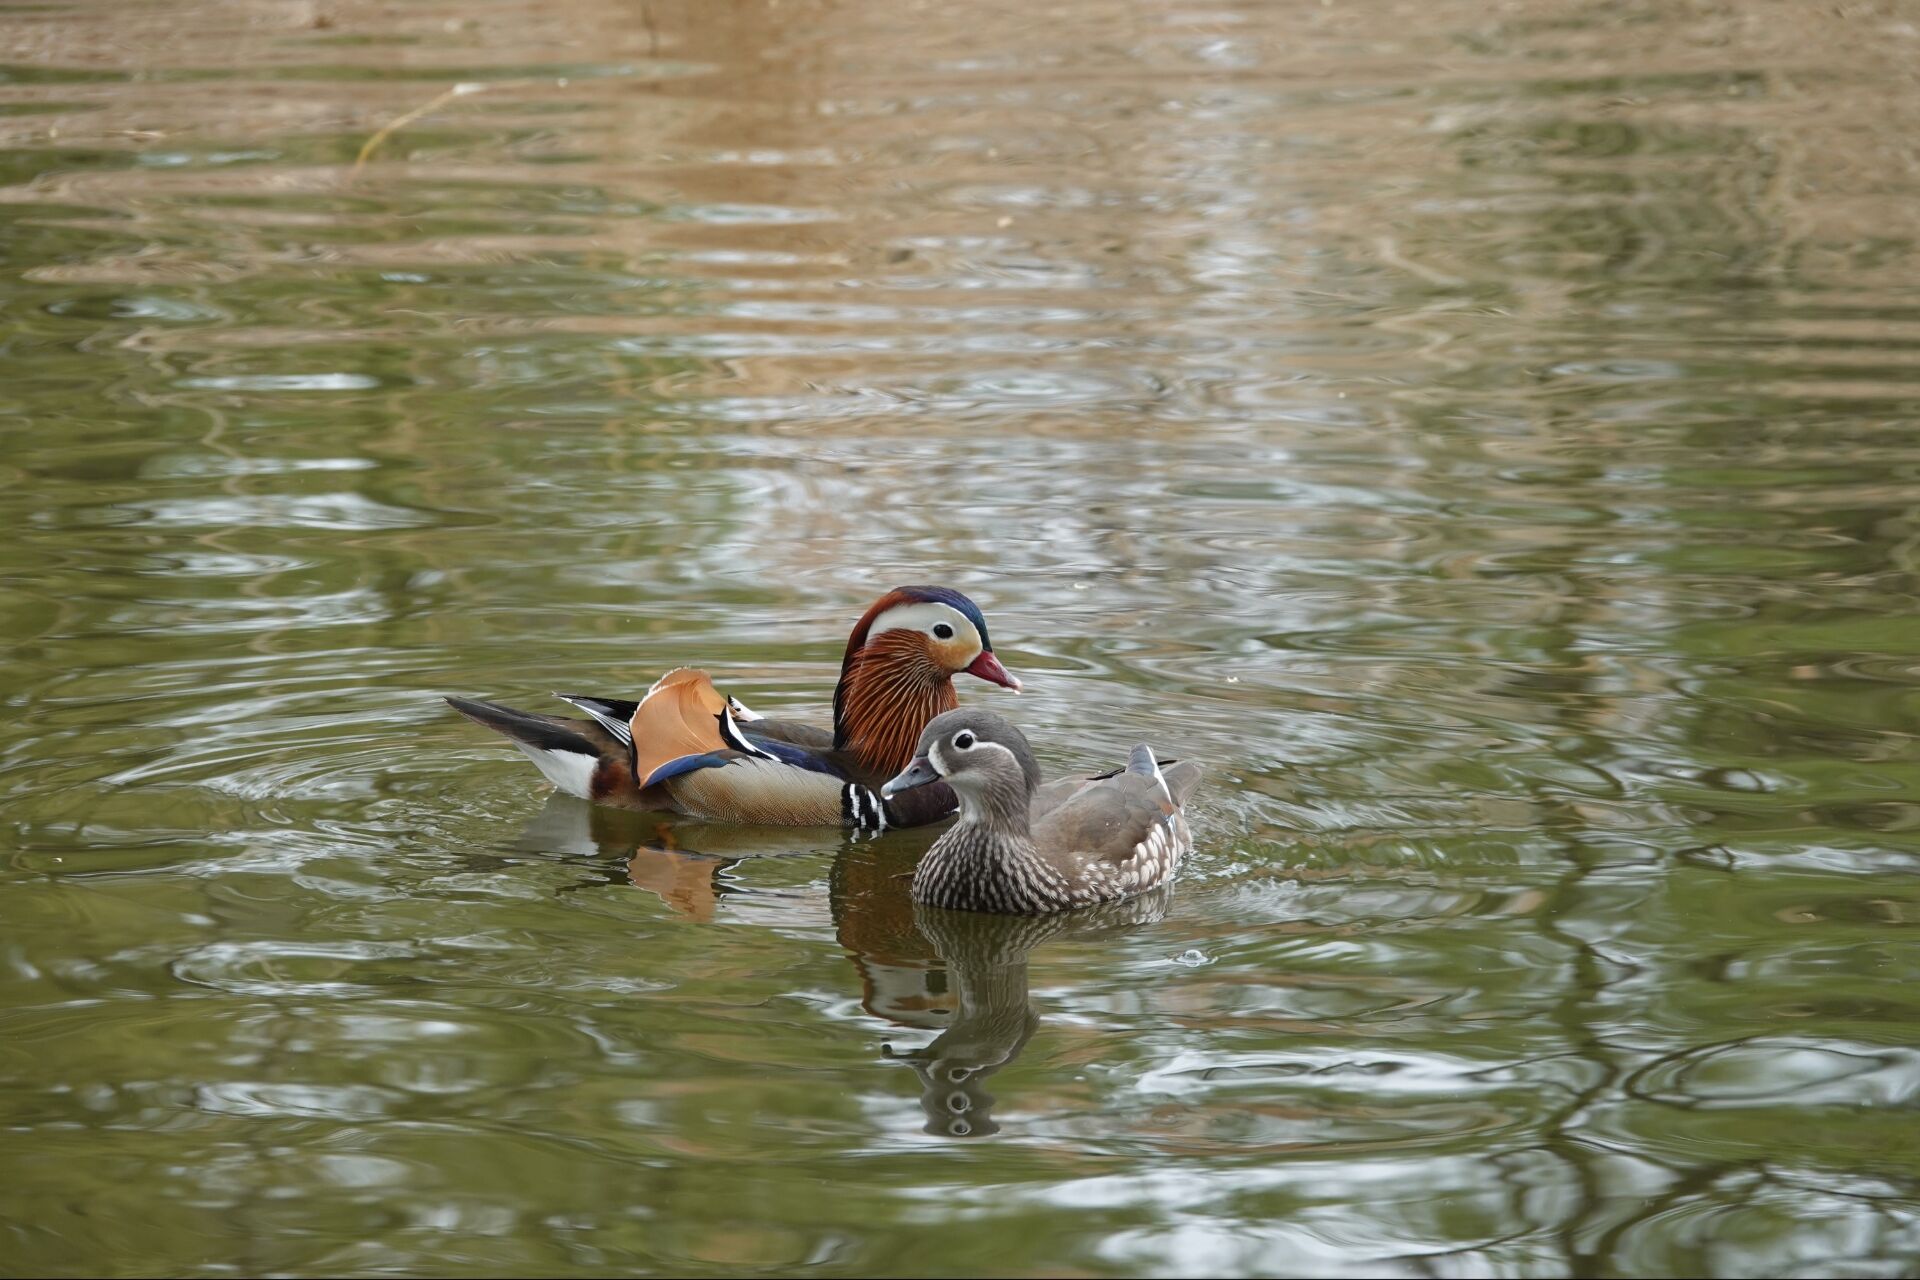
<point>679,717</point>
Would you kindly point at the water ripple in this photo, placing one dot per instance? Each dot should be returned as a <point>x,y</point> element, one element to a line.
<point>1484,439</point>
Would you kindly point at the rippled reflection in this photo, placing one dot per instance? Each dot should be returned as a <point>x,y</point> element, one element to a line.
<point>1484,435</point>
<point>985,959</point>
<point>921,968</point>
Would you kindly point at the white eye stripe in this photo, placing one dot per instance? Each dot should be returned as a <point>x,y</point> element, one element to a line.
<point>923,616</point>
<point>986,744</point>
<point>1005,751</point>
<point>937,757</point>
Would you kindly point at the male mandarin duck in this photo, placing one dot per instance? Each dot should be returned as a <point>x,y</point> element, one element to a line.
<point>1020,849</point>
<point>684,748</point>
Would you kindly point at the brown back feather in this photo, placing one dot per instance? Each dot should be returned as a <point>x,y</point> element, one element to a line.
<point>1105,819</point>
<point>1182,777</point>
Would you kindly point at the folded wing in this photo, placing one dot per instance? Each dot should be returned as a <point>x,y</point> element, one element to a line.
<point>687,738</point>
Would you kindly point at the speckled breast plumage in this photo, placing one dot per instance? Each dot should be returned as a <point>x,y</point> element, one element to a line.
<point>972,868</point>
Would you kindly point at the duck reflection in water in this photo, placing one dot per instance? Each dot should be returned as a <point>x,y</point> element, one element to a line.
<point>962,974</point>
<point>691,883</point>
<point>992,1018</point>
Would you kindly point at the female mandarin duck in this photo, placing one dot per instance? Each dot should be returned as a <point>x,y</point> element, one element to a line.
<point>686,749</point>
<point>1071,845</point>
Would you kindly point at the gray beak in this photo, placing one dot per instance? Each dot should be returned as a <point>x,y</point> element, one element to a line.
<point>917,774</point>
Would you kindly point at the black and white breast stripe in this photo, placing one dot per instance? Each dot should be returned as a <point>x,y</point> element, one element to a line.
<point>861,809</point>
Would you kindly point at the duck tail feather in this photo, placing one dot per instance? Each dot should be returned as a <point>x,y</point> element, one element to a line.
<point>545,733</point>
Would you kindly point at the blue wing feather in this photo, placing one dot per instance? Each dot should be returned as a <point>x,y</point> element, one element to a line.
<point>788,753</point>
<point>784,752</point>
<point>686,764</point>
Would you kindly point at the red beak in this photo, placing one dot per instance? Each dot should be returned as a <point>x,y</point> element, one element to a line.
<point>988,668</point>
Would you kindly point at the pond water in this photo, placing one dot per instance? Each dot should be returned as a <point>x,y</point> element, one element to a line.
<point>1486,434</point>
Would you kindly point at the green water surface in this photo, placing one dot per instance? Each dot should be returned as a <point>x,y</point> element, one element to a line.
<point>1487,436</point>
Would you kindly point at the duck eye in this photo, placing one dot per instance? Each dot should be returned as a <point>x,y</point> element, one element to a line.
<point>941,631</point>
<point>963,740</point>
